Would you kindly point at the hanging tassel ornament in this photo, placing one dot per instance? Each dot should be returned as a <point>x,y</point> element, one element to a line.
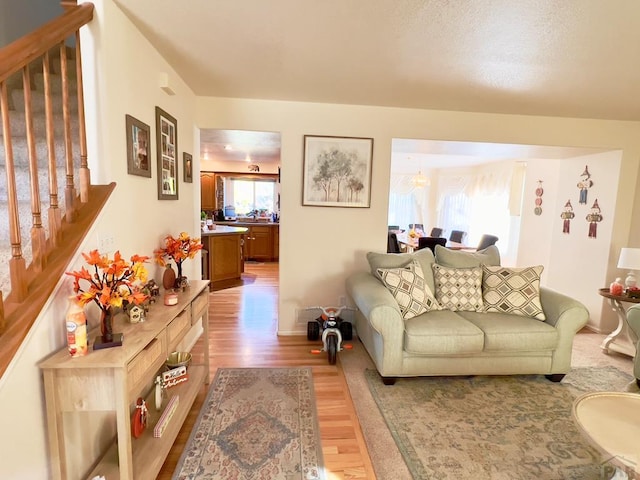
<point>566,216</point>
<point>539,191</point>
<point>584,185</point>
<point>593,218</point>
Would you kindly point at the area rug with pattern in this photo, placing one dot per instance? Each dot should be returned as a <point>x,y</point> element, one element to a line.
<point>493,427</point>
<point>255,424</point>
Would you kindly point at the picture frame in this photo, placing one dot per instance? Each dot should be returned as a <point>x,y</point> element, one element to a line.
<point>138,141</point>
<point>337,171</point>
<point>187,167</point>
<point>167,153</point>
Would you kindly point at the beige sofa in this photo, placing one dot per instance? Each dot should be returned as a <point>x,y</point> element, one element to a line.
<point>633,319</point>
<point>456,341</point>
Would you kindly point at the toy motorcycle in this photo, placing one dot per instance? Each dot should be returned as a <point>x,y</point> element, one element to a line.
<point>334,330</point>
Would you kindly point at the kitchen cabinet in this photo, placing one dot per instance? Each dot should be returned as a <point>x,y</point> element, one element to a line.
<point>259,242</point>
<point>225,262</point>
<point>207,191</point>
<point>90,399</point>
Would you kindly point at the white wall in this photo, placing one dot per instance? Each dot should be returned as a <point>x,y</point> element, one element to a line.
<point>574,263</point>
<point>319,246</point>
<point>356,231</point>
<point>123,79</point>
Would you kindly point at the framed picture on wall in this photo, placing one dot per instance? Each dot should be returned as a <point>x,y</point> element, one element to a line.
<point>337,171</point>
<point>167,153</point>
<point>138,136</point>
<point>187,167</point>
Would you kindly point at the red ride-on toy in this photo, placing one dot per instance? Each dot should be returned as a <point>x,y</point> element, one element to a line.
<point>334,330</point>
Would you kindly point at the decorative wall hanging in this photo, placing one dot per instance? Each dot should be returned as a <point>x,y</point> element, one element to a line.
<point>337,171</point>
<point>584,185</point>
<point>138,135</point>
<point>167,151</point>
<point>567,215</point>
<point>539,192</point>
<point>593,218</point>
<point>187,167</point>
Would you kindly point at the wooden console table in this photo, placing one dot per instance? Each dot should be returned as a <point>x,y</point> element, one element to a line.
<point>622,339</point>
<point>90,399</point>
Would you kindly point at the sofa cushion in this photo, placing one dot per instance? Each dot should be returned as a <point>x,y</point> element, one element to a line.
<point>458,288</point>
<point>397,260</point>
<point>462,259</point>
<point>442,333</point>
<point>408,287</point>
<point>512,290</point>
<point>504,332</point>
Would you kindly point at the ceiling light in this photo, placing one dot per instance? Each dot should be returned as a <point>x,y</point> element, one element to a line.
<point>228,147</point>
<point>420,181</point>
<point>247,159</point>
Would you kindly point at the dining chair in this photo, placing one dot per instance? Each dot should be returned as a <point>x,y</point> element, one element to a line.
<point>416,226</point>
<point>392,243</point>
<point>436,232</point>
<point>431,242</point>
<point>457,236</point>
<point>486,241</point>
<point>394,227</point>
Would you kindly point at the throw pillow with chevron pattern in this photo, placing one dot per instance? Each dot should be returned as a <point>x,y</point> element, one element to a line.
<point>408,287</point>
<point>512,290</point>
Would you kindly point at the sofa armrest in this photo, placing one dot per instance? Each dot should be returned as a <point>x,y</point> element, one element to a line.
<point>568,316</point>
<point>382,313</point>
<point>633,319</point>
<point>562,311</point>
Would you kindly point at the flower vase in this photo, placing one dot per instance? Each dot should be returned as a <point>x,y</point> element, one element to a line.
<point>169,277</point>
<point>107,339</point>
<point>181,280</point>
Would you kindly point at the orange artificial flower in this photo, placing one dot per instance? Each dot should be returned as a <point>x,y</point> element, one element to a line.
<point>177,249</point>
<point>112,282</point>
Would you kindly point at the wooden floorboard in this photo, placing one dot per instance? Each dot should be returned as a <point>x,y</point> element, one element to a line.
<point>242,330</point>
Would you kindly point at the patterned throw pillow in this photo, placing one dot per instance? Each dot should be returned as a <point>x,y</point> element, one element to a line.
<point>513,290</point>
<point>408,287</point>
<point>458,288</point>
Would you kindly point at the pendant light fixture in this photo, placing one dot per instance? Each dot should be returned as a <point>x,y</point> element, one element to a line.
<point>419,180</point>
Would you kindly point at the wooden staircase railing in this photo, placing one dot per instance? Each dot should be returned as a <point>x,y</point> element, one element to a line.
<point>52,244</point>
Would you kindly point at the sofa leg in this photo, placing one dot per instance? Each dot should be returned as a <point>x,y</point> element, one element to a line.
<point>389,380</point>
<point>555,377</point>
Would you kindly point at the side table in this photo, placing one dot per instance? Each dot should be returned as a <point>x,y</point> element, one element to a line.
<point>610,421</point>
<point>622,339</point>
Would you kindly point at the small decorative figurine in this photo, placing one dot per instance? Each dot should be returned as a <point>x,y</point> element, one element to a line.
<point>567,215</point>
<point>584,185</point>
<point>136,313</point>
<point>152,289</point>
<point>139,422</point>
<point>593,218</point>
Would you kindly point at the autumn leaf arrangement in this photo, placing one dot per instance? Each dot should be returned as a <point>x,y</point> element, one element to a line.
<point>177,249</point>
<point>110,282</point>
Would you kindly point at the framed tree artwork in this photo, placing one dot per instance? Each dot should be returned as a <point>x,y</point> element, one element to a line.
<point>167,153</point>
<point>337,171</point>
<point>138,136</point>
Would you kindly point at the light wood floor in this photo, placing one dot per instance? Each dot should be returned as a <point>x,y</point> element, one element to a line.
<point>242,329</point>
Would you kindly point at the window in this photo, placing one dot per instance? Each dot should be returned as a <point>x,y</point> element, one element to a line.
<point>247,195</point>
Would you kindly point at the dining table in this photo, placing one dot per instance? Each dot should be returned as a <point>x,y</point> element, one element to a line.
<point>409,244</point>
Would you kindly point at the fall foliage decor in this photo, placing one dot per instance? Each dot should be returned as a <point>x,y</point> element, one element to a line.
<point>177,249</point>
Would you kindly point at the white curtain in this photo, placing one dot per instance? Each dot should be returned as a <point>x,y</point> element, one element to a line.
<point>405,201</point>
<point>479,200</point>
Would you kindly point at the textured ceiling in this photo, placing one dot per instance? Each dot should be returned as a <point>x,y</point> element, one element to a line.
<point>572,58</point>
<point>576,58</point>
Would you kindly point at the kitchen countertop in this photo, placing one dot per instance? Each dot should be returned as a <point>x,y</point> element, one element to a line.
<point>248,223</point>
<point>224,230</point>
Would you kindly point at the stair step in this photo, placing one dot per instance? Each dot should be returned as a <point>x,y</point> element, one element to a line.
<point>21,156</point>
<point>18,125</point>
<point>38,103</point>
<point>23,184</point>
